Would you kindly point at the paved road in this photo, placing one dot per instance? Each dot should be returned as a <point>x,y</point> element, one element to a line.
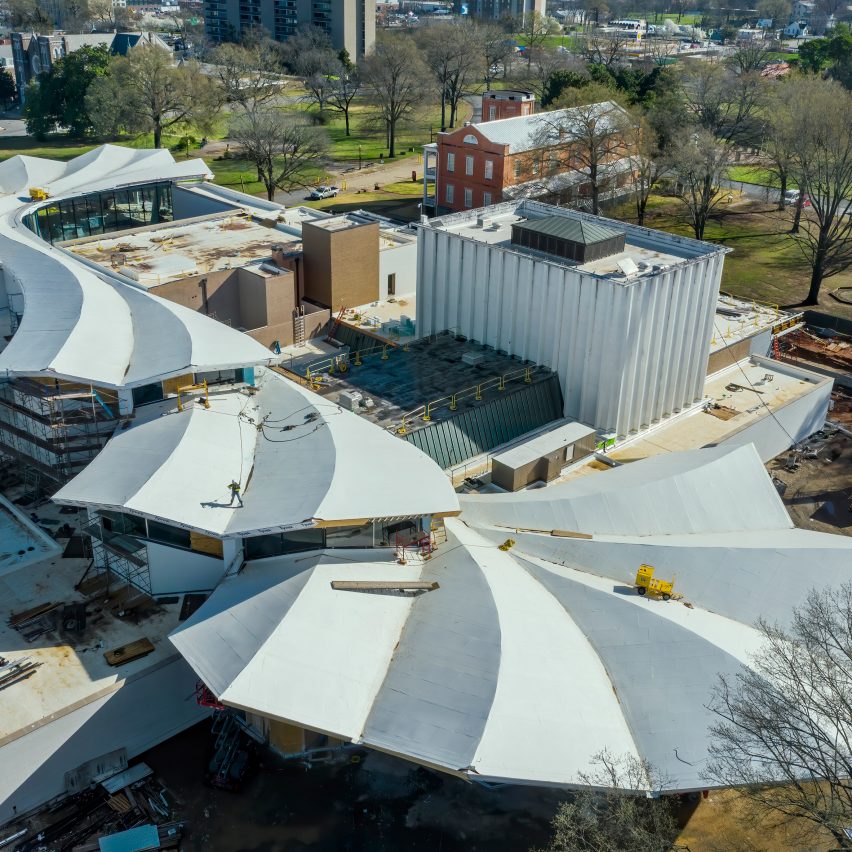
<point>12,127</point>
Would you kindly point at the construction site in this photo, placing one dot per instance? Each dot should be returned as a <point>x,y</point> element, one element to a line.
<point>532,449</point>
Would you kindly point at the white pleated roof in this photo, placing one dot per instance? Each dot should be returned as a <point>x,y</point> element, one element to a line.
<point>300,460</point>
<point>88,326</point>
<point>525,664</point>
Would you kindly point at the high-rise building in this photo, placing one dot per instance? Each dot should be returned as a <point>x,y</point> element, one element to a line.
<point>499,8</point>
<point>350,24</point>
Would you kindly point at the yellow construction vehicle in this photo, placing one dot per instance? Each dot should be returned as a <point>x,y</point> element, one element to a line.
<point>38,194</point>
<point>647,585</point>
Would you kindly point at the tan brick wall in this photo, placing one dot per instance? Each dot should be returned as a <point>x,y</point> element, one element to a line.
<point>341,268</point>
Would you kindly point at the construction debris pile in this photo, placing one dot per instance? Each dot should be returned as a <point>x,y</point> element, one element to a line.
<point>128,808</point>
<point>817,346</point>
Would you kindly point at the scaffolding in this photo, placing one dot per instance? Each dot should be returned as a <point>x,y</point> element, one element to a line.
<point>118,551</point>
<point>54,427</point>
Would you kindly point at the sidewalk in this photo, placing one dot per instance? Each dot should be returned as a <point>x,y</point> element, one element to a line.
<point>392,171</point>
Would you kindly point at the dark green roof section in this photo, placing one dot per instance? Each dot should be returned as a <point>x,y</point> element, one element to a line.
<point>569,228</point>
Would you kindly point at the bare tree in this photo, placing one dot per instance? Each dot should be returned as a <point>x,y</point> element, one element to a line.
<point>822,167</point>
<point>345,87</point>
<point>604,49</point>
<point>784,735</point>
<point>749,56</point>
<point>394,74</point>
<point>648,161</point>
<point>496,49</point>
<point>780,141</point>
<point>723,101</point>
<point>607,819</point>
<point>282,148</point>
<point>587,137</point>
<point>534,28</point>
<point>700,162</point>
<point>247,76</point>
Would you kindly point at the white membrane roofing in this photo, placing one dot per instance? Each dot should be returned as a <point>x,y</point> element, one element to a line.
<point>525,664</point>
<point>299,459</point>
<point>86,325</point>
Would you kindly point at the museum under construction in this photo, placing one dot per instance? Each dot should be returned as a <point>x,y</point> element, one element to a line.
<point>338,482</point>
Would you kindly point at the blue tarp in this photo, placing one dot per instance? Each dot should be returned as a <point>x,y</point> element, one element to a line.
<point>133,840</point>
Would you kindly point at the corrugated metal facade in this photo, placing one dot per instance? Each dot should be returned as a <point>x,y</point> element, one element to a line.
<point>628,353</point>
<point>480,429</point>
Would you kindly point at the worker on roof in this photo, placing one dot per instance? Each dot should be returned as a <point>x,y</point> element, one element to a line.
<point>235,492</point>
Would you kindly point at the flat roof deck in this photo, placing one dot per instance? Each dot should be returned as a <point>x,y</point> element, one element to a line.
<point>169,252</point>
<point>73,671</point>
<point>432,369</point>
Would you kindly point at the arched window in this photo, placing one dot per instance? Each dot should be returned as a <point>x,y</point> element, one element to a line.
<point>470,139</point>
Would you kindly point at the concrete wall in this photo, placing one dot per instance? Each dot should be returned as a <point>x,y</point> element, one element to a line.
<point>174,571</point>
<point>263,305</point>
<point>186,204</point>
<point>341,267</point>
<point>627,354</point>
<point>794,422</point>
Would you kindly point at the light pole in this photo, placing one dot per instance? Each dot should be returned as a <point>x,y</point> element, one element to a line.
<point>359,156</point>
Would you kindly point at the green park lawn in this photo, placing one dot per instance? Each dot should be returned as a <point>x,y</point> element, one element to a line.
<point>765,263</point>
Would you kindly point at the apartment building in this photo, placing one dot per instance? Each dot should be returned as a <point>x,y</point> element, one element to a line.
<point>350,24</point>
<point>497,9</point>
<point>521,157</point>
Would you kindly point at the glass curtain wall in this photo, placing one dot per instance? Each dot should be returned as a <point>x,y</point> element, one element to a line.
<point>102,213</point>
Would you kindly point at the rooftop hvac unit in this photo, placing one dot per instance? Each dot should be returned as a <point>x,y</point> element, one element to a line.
<point>350,400</point>
<point>483,221</point>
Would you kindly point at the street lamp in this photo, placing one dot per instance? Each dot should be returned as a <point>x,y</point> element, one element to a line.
<point>359,156</point>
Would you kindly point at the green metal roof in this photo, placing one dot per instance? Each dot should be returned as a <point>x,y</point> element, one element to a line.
<point>568,228</point>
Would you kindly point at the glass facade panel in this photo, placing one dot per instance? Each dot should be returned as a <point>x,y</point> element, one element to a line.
<point>90,215</point>
<point>350,536</point>
<point>261,546</point>
<point>168,534</point>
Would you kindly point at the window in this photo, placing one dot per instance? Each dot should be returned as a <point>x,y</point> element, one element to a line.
<point>261,546</point>
<point>468,165</point>
<point>168,534</point>
<point>517,169</point>
<point>450,193</point>
<point>392,284</point>
<point>489,169</point>
<point>451,162</point>
<point>492,113</point>
<point>486,199</point>
<point>468,197</point>
<point>470,139</point>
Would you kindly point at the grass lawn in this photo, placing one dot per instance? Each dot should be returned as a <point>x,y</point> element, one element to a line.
<point>370,137</point>
<point>758,175</point>
<point>765,264</point>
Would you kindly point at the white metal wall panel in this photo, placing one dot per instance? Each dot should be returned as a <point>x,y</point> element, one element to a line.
<point>627,353</point>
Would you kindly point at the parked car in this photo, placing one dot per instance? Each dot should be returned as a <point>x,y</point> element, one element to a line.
<point>323,192</point>
<point>791,196</point>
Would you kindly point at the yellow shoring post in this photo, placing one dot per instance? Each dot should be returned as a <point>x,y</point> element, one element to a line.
<point>357,360</point>
<point>331,367</point>
<point>384,353</point>
<point>478,393</point>
<point>528,375</point>
<point>402,429</point>
<point>427,413</point>
<point>501,385</point>
<point>453,405</point>
<point>342,364</point>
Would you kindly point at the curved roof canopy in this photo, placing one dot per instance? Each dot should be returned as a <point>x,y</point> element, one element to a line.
<point>301,461</point>
<point>525,664</point>
<point>86,325</point>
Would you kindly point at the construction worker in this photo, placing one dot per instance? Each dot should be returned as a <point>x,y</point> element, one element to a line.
<point>235,492</point>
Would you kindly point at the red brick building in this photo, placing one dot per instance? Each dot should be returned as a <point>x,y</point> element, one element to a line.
<point>506,103</point>
<point>527,156</point>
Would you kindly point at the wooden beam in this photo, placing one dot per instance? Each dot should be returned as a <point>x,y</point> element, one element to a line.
<point>381,585</point>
